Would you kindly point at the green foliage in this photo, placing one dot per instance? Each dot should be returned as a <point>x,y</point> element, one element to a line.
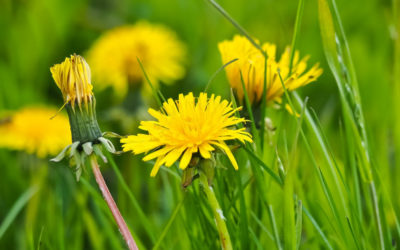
<point>326,179</point>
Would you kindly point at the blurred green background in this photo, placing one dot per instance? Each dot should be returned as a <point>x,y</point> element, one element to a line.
<point>36,34</point>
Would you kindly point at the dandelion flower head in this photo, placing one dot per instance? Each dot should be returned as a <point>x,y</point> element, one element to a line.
<point>251,64</point>
<point>73,78</point>
<point>113,57</point>
<point>30,129</point>
<point>185,127</point>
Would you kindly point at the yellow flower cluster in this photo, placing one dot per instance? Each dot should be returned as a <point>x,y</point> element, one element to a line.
<point>73,78</point>
<point>113,57</point>
<point>251,63</point>
<point>186,127</point>
<point>31,130</point>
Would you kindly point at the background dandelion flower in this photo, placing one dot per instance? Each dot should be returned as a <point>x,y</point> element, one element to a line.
<point>113,57</point>
<point>187,127</point>
<point>251,64</point>
<point>30,129</point>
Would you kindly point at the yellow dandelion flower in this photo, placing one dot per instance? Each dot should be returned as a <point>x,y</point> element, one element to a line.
<point>30,129</point>
<point>113,57</point>
<point>73,78</point>
<point>251,64</point>
<point>187,127</point>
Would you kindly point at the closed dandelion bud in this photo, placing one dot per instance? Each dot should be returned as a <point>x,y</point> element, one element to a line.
<point>207,166</point>
<point>281,169</point>
<point>188,176</point>
<point>73,78</point>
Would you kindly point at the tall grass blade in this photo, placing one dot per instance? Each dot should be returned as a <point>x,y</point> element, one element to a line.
<point>318,228</point>
<point>263,106</point>
<point>169,223</point>
<point>16,208</point>
<point>297,25</point>
<point>274,176</point>
<point>250,111</point>
<point>236,24</point>
<point>156,93</point>
<point>217,72</point>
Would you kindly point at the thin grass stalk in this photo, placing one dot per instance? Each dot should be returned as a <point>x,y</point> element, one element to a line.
<point>169,223</point>
<point>236,25</point>
<point>217,72</point>
<point>297,25</point>
<point>263,105</point>
<point>123,228</point>
<point>377,213</point>
<point>16,208</point>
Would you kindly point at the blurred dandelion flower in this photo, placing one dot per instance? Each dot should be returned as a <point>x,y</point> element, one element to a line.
<point>113,57</point>
<point>73,78</point>
<point>251,63</point>
<point>30,129</point>
<point>185,127</point>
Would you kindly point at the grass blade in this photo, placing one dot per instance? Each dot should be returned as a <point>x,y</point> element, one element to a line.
<point>318,228</point>
<point>217,72</point>
<point>169,223</point>
<point>16,208</point>
<point>297,25</point>
<point>236,24</point>
<point>156,93</point>
<point>250,111</point>
<point>264,166</point>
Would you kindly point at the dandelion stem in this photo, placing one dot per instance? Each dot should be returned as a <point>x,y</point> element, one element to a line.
<point>123,228</point>
<point>218,215</point>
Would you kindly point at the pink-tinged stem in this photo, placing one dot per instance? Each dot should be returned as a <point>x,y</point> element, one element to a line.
<point>123,228</point>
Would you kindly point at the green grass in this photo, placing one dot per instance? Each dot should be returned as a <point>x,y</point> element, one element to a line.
<point>326,179</point>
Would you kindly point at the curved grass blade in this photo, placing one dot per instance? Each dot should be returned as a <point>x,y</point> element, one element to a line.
<point>297,25</point>
<point>318,228</point>
<point>217,72</point>
<point>156,93</point>
<point>16,208</point>
<point>264,166</point>
<point>169,223</point>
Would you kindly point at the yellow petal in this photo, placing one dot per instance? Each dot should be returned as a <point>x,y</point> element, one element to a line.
<point>228,153</point>
<point>187,156</point>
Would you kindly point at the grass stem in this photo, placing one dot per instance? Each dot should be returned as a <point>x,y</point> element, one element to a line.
<point>377,214</point>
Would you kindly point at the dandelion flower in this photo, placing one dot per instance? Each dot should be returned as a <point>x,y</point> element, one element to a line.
<point>30,129</point>
<point>251,64</point>
<point>186,127</point>
<point>113,57</point>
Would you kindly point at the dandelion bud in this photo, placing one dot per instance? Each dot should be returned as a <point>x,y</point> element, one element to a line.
<point>207,167</point>
<point>73,78</point>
